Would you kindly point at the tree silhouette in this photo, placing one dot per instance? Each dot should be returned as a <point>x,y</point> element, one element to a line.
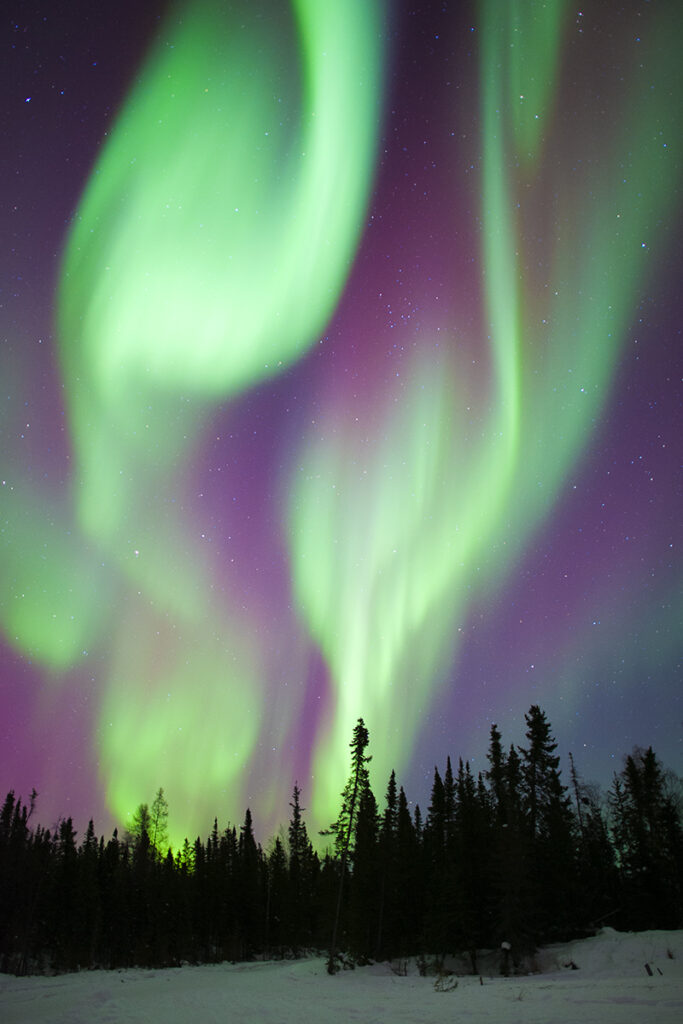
<point>357,786</point>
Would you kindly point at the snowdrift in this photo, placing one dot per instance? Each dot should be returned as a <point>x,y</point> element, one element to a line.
<point>613,978</point>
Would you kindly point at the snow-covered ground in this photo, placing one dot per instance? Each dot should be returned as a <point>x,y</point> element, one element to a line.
<point>611,986</point>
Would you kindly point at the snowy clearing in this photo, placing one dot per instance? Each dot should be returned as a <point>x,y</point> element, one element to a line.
<point>611,984</point>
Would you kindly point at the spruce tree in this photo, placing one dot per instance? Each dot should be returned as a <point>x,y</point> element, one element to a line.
<point>388,895</point>
<point>65,899</point>
<point>597,895</point>
<point>647,833</point>
<point>495,774</point>
<point>250,911</point>
<point>365,881</point>
<point>302,875</point>
<point>277,900</point>
<point>469,873</point>
<point>228,873</point>
<point>438,880</point>
<point>540,772</point>
<point>410,881</point>
<point>550,830</point>
<point>358,783</point>
<point>343,828</point>
<point>89,895</point>
<point>510,864</point>
<point>449,801</point>
<point>142,909</point>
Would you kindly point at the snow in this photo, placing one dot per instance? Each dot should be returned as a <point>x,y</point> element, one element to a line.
<point>610,986</point>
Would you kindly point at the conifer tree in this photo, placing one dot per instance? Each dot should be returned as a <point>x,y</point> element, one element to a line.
<point>115,920</point>
<point>343,828</point>
<point>229,938</point>
<point>495,774</point>
<point>365,885</point>
<point>449,801</point>
<point>435,825</point>
<point>358,783</point>
<point>303,867</point>
<point>277,899</point>
<point>550,827</point>
<point>89,895</point>
<point>647,833</point>
<point>141,887</point>
<point>141,825</point>
<point>540,772</point>
<point>510,869</point>
<point>438,879</point>
<point>65,899</point>
<point>249,902</point>
<point>497,861</point>
<point>410,881</point>
<point>468,896</point>
<point>597,895</point>
<point>418,824</point>
<point>19,884</point>
<point>158,824</point>
<point>388,895</point>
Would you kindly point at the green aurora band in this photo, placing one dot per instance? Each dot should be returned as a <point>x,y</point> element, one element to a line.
<point>394,539</point>
<point>210,248</point>
<point>215,234</point>
<point>208,251</point>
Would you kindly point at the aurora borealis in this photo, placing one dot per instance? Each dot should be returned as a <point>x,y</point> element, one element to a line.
<point>339,379</point>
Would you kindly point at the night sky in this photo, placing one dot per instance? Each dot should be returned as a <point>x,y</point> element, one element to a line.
<point>340,371</point>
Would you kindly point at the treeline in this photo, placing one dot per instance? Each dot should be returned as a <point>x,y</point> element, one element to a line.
<point>510,858</point>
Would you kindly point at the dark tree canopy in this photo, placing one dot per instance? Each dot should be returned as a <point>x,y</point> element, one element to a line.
<point>510,856</point>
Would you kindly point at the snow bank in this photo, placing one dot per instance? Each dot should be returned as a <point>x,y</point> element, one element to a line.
<point>610,986</point>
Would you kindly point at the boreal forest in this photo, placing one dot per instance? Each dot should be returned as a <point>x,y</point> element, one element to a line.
<point>521,854</point>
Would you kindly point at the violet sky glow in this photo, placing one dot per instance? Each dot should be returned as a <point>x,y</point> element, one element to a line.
<point>396,437</point>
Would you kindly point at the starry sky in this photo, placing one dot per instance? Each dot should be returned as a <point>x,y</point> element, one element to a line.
<point>340,375</point>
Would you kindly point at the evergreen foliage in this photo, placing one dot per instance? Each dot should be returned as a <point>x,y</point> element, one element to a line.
<point>345,827</point>
<point>646,822</point>
<point>511,857</point>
